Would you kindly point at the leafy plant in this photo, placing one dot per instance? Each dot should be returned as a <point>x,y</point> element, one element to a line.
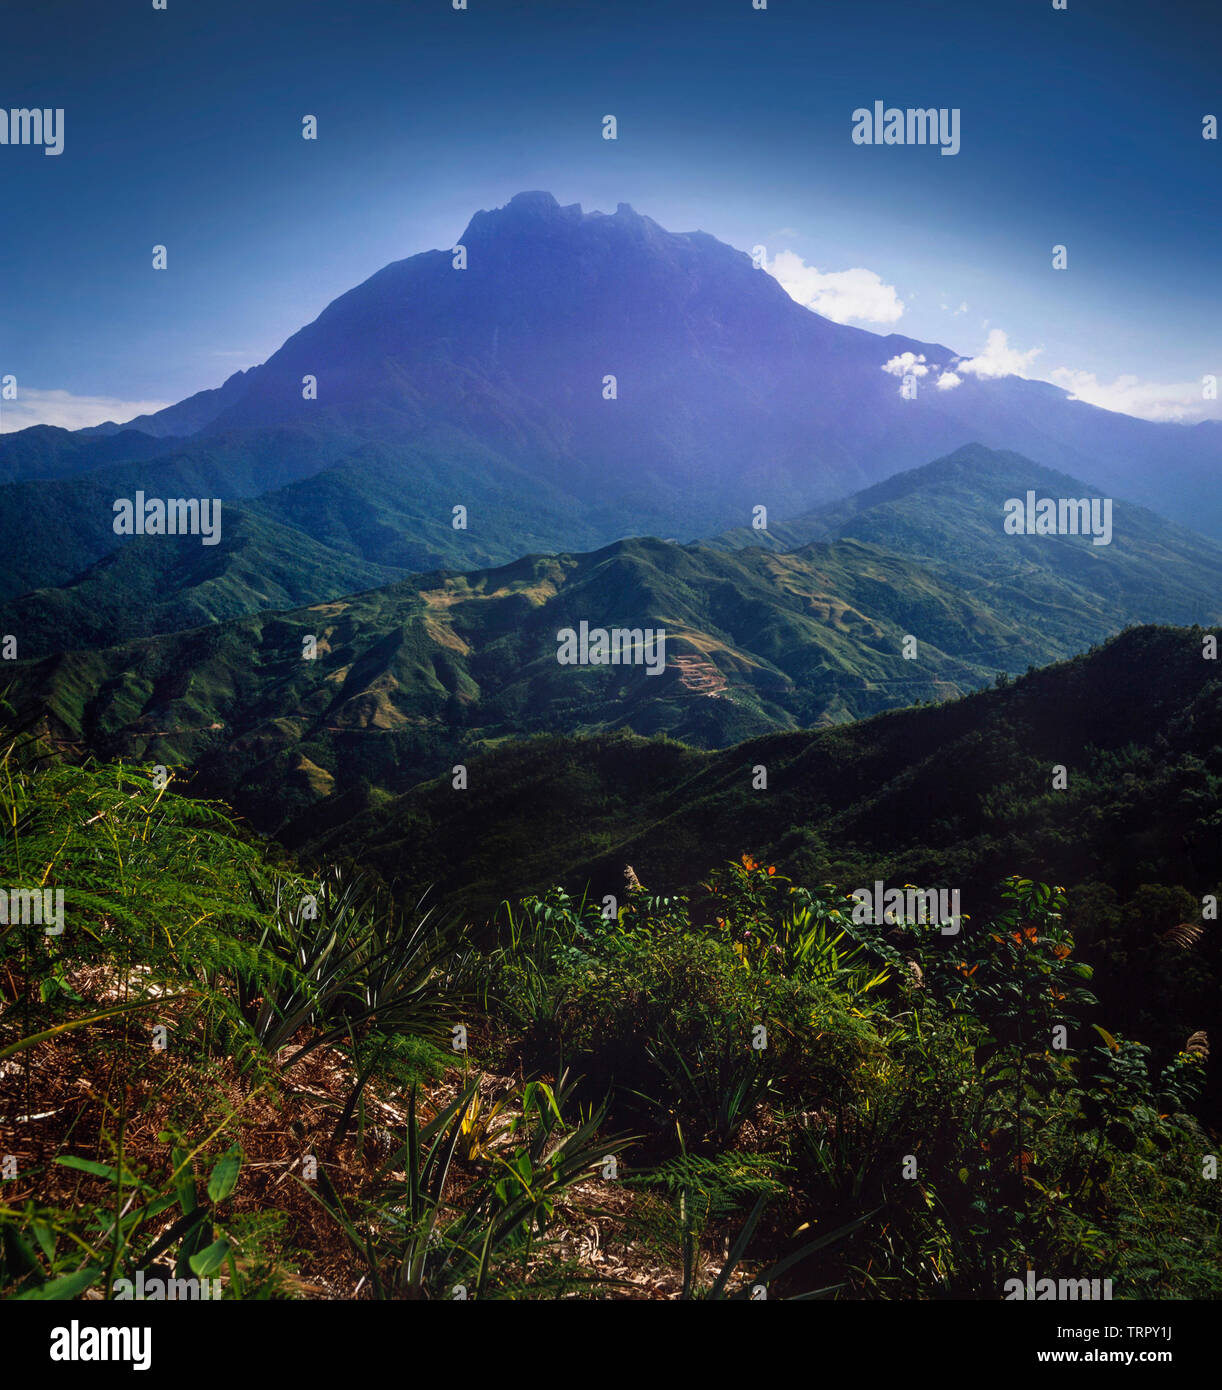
<point>416,1246</point>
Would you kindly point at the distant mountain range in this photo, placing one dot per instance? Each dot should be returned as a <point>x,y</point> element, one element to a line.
<point>485,394</point>
<point>166,584</point>
<point>430,670</point>
<point>486,388</point>
<point>947,515</point>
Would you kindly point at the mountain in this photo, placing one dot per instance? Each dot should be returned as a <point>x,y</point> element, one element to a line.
<point>187,417</point>
<point>396,507</point>
<point>357,516</point>
<point>484,388</point>
<point>729,393</point>
<point>165,584</point>
<point>46,452</point>
<point>949,514</point>
<point>79,512</point>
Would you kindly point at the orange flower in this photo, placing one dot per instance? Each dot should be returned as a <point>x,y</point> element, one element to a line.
<point>749,864</point>
<point>771,869</point>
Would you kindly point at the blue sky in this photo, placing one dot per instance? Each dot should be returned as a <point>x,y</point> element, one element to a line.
<point>1078,127</point>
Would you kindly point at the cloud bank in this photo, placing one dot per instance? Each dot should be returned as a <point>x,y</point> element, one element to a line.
<point>843,296</point>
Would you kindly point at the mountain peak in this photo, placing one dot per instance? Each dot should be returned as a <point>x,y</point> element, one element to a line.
<point>536,200</point>
<point>532,208</point>
<point>535,209</point>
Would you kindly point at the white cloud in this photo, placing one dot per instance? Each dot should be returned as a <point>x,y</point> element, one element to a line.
<point>68,411</point>
<point>998,358</point>
<point>1128,394</point>
<point>1148,400</point>
<point>962,309</point>
<point>907,364</point>
<point>839,295</point>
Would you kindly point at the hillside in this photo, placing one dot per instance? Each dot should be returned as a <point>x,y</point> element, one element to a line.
<point>166,584</point>
<point>79,513</point>
<point>604,1124</point>
<point>413,676</point>
<point>952,793</point>
<point>408,677</point>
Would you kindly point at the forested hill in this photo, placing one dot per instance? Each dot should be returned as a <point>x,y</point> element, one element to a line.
<point>959,794</point>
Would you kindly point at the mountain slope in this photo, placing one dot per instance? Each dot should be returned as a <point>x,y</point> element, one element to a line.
<point>395,506</point>
<point>46,452</point>
<point>186,417</point>
<point>729,393</point>
<point>959,795</point>
<point>79,511</point>
<point>165,584</point>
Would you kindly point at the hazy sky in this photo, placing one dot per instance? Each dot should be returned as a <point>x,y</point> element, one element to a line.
<point>1080,127</point>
